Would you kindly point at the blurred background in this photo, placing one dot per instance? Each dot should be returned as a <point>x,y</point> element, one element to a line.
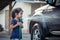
<point>28,6</point>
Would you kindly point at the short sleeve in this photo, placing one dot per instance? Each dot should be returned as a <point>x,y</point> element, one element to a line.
<point>13,22</point>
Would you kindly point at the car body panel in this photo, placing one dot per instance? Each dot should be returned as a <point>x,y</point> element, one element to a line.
<point>49,19</point>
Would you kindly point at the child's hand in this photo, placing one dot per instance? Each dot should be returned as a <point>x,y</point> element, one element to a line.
<point>19,23</point>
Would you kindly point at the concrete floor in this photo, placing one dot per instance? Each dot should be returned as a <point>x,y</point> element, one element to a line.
<point>25,36</point>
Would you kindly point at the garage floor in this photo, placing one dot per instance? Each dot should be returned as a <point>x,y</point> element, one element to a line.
<point>25,36</point>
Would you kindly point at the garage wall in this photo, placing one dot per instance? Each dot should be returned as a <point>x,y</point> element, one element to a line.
<point>2,18</point>
<point>34,7</point>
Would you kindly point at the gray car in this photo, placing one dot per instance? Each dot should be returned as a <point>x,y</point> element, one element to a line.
<point>45,23</point>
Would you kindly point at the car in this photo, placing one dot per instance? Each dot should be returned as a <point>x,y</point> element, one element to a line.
<point>45,23</point>
<point>53,2</point>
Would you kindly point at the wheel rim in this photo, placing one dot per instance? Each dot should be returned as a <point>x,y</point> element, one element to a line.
<point>36,34</point>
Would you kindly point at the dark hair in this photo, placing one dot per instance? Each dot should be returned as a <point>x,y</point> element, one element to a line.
<point>16,11</point>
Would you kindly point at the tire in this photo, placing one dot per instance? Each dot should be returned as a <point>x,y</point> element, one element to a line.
<point>37,32</point>
<point>52,2</point>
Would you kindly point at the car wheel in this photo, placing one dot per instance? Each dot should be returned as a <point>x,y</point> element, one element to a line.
<point>36,32</point>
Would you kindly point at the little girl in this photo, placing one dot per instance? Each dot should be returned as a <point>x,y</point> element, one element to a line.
<point>16,24</point>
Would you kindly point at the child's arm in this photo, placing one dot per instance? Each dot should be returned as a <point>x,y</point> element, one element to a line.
<point>13,26</point>
<point>18,24</point>
<point>21,25</point>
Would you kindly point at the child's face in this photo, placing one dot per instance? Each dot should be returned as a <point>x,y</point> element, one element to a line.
<point>20,14</point>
